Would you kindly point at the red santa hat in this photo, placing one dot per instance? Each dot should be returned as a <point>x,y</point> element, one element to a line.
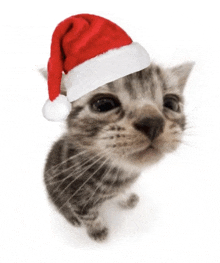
<point>91,51</point>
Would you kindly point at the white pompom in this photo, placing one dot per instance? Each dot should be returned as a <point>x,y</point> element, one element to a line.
<point>58,109</point>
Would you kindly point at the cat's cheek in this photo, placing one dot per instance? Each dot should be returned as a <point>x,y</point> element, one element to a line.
<point>169,147</point>
<point>167,144</point>
<point>170,139</point>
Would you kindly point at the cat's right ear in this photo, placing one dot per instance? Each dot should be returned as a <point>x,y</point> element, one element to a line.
<point>43,72</point>
<point>182,73</point>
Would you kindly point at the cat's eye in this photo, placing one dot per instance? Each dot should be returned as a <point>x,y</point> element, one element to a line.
<point>104,103</point>
<point>171,102</point>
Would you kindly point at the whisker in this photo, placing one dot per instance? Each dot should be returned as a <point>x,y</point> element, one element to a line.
<point>81,174</point>
<point>189,128</point>
<point>176,132</point>
<point>82,184</point>
<point>105,174</point>
<point>188,144</point>
<point>110,187</point>
<point>190,134</point>
<point>183,142</point>
<point>184,133</point>
<point>121,136</point>
<point>189,125</point>
<point>116,129</point>
<point>63,162</point>
<point>74,165</point>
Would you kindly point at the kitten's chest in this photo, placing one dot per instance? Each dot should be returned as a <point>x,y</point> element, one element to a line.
<point>99,190</point>
<point>113,182</point>
<point>96,176</point>
<point>106,181</point>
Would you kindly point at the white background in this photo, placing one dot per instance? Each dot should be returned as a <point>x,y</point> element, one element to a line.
<point>178,217</point>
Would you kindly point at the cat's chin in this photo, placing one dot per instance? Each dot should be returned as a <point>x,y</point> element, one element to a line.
<point>145,157</point>
<point>137,161</point>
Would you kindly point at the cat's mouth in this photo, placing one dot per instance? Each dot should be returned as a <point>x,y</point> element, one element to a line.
<point>150,147</point>
<point>144,157</point>
<point>149,150</point>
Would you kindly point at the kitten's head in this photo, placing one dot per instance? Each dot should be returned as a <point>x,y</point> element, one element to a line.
<point>134,120</point>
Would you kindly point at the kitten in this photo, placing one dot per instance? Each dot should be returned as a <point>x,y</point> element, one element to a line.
<point>112,134</point>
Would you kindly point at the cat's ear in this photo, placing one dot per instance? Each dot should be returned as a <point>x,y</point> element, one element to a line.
<point>43,72</point>
<point>181,74</point>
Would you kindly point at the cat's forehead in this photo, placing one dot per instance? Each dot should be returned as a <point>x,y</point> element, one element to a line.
<point>136,89</point>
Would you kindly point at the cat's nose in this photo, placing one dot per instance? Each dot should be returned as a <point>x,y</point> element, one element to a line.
<point>151,127</point>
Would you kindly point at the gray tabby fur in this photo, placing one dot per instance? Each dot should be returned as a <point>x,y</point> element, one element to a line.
<point>101,154</point>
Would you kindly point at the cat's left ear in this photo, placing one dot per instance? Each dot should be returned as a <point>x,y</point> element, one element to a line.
<point>181,74</point>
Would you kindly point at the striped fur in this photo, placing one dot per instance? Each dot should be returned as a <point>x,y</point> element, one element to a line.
<point>102,154</point>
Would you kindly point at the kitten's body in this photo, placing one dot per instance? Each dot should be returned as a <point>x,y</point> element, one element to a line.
<point>103,153</point>
<point>90,179</point>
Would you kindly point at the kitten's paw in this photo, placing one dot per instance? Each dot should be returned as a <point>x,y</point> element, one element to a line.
<point>98,234</point>
<point>130,202</point>
<point>76,223</point>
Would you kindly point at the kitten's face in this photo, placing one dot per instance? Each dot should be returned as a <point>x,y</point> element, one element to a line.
<point>135,120</point>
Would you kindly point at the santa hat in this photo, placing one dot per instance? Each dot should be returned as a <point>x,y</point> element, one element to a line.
<point>91,51</point>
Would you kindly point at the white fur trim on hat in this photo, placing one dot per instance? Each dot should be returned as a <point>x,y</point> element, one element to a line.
<point>58,109</point>
<point>105,68</point>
